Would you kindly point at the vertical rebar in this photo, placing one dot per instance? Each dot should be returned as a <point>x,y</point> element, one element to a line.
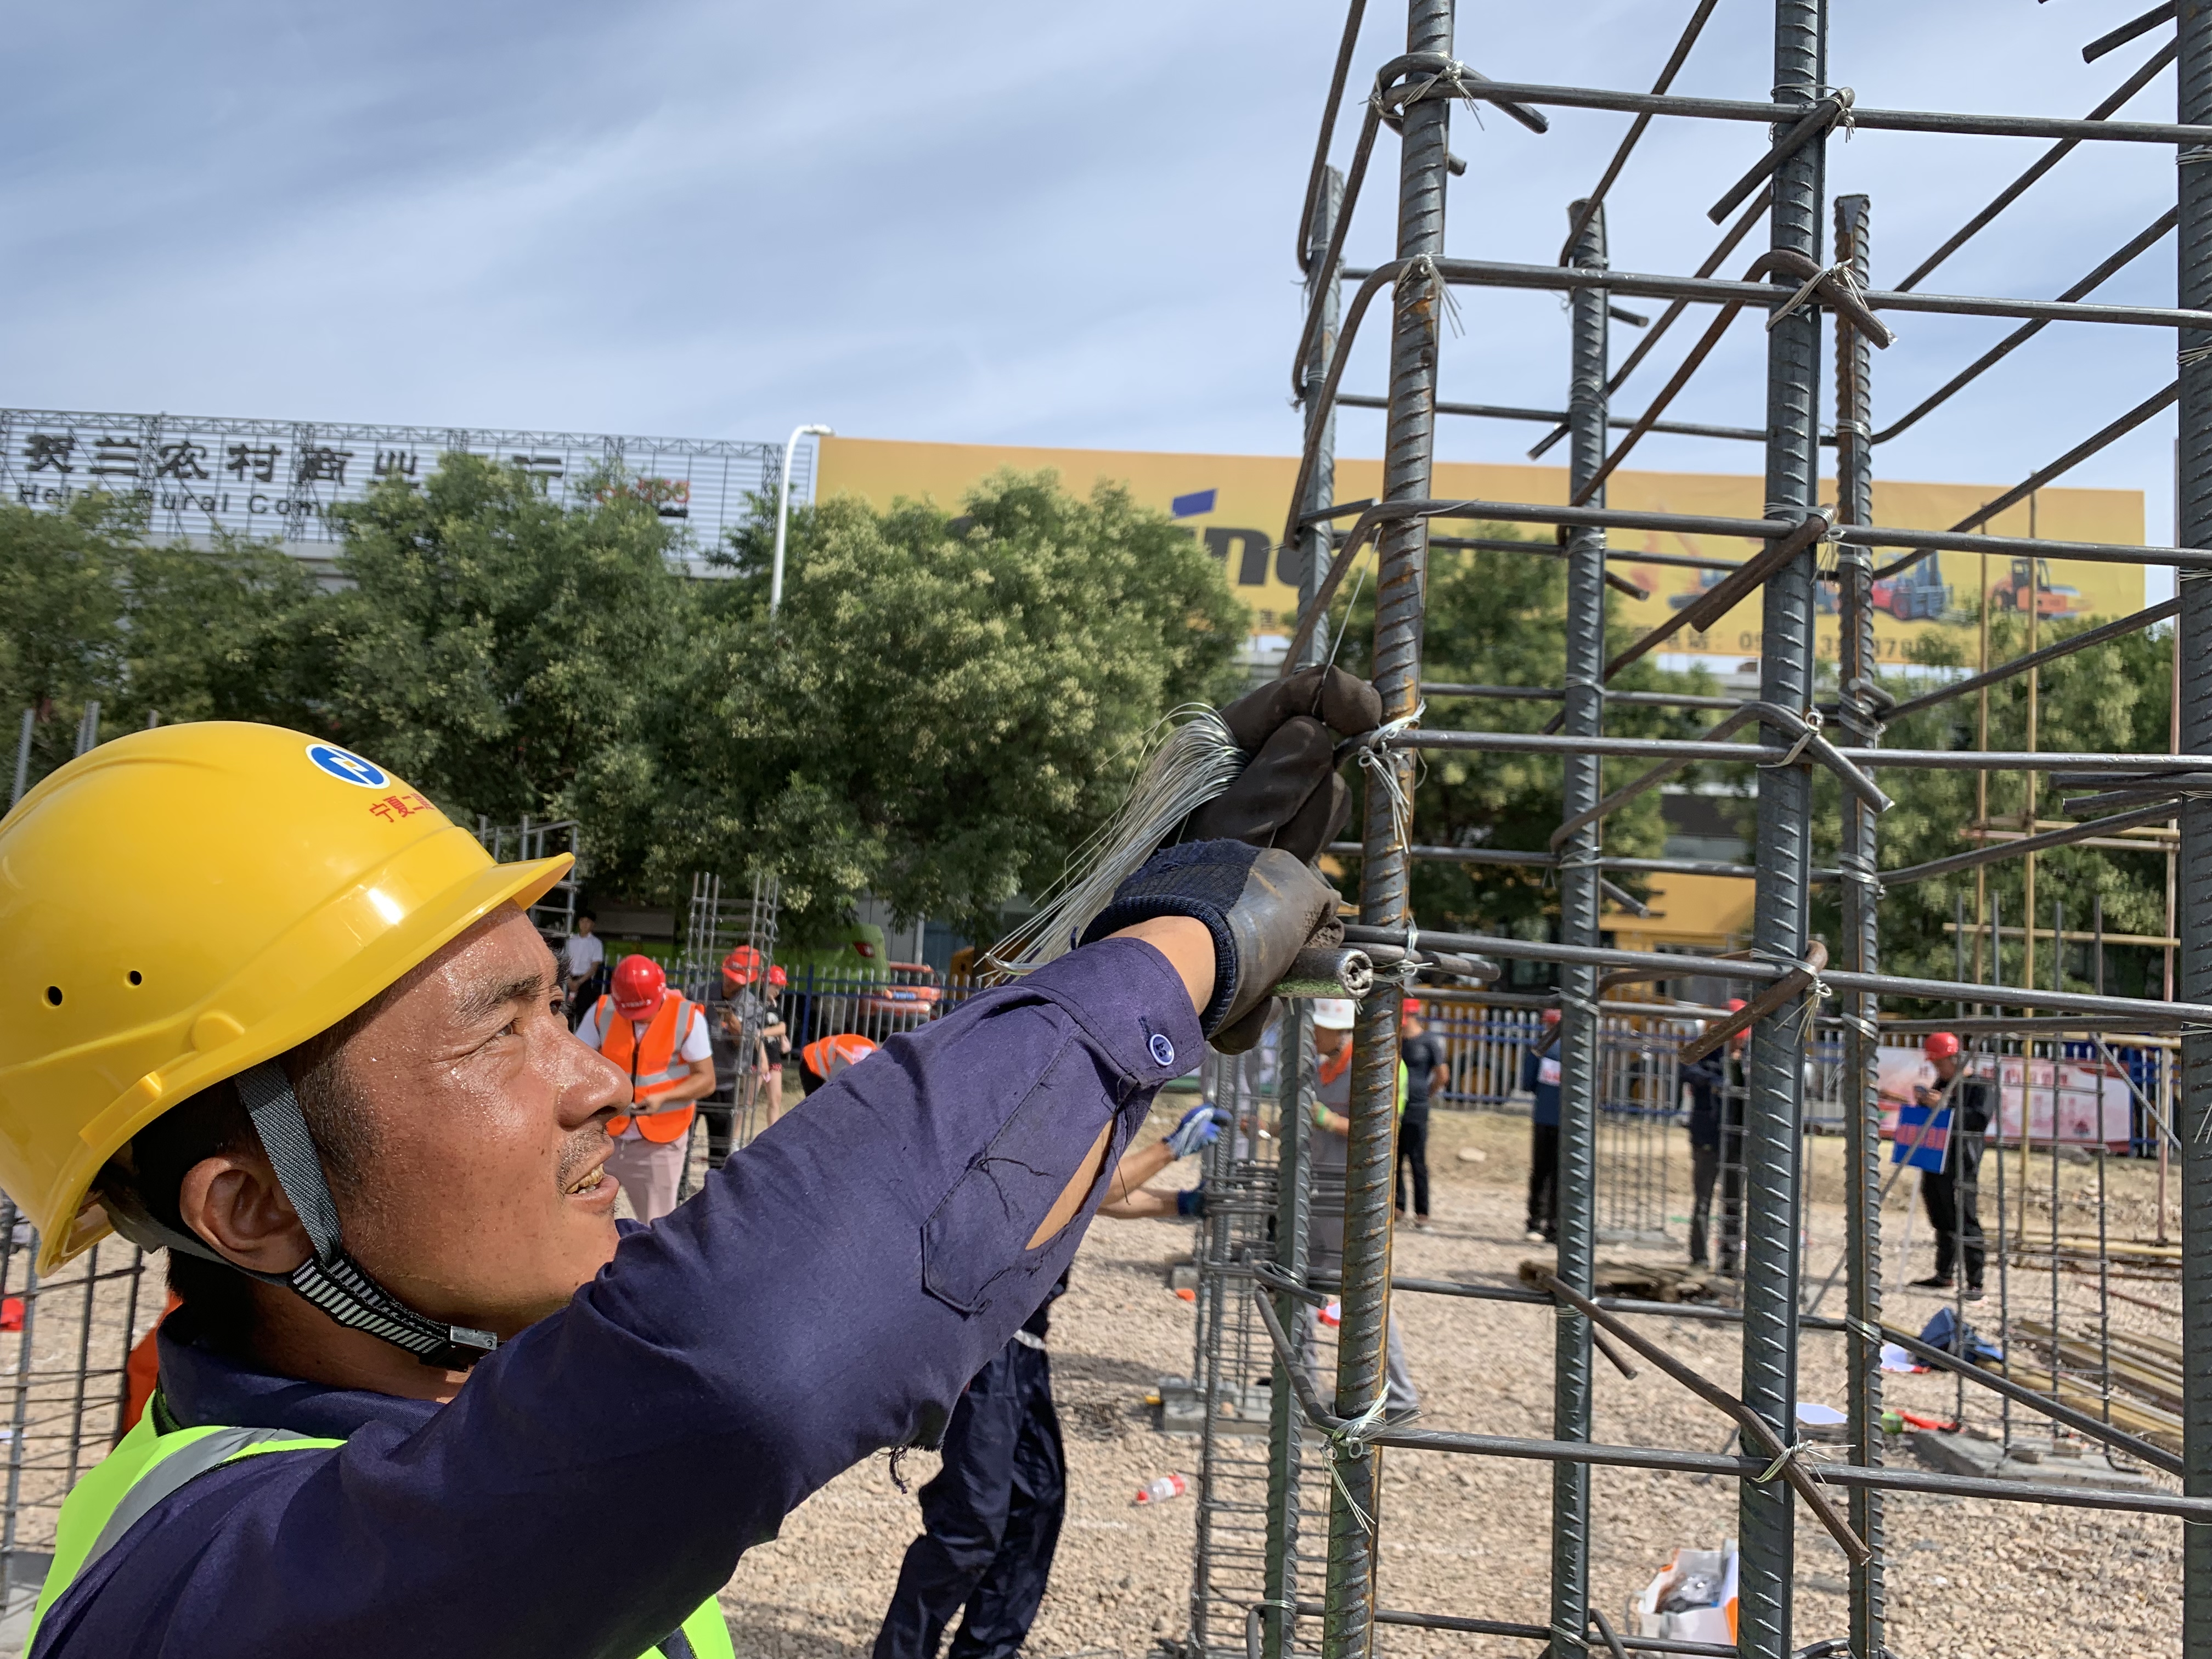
<point>1580,1037</point>
<point>2192,1109</point>
<point>1771,1145</point>
<point>1861,948</point>
<point>2005,1249</point>
<point>1294,1090</point>
<point>1372,1154</point>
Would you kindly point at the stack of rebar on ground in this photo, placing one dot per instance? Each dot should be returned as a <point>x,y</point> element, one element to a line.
<point>2100,1385</point>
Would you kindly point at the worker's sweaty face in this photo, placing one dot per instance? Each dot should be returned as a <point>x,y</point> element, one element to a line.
<point>484,1202</point>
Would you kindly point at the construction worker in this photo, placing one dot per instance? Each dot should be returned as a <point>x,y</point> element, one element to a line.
<point>828,1057</point>
<point>659,1039</point>
<point>1539,1076</point>
<point>991,1516</point>
<point>583,955</point>
<point>1422,1054</point>
<point>266,1008</point>
<point>752,1017</point>
<point>1950,1194</point>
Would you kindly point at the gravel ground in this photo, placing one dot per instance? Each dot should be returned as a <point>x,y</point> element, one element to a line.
<point>1968,1579</point>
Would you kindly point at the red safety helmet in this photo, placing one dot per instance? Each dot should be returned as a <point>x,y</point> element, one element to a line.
<point>1551,1017</point>
<point>1940,1045</point>
<point>1736,1005</point>
<point>742,966</point>
<point>1412,1006</point>
<point>777,979</point>
<point>639,986</point>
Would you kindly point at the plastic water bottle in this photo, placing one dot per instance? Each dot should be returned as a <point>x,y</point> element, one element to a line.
<point>1159,1491</point>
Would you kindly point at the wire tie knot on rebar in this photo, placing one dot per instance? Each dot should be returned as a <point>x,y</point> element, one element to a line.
<point>2189,357</point>
<point>1840,275</point>
<point>1798,1449</point>
<point>2195,153</point>
<point>1424,264</point>
<point>1347,1443</point>
<point>1810,723</point>
<point>1859,871</point>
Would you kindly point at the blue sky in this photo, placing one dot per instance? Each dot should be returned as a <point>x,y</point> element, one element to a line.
<point>986,222</point>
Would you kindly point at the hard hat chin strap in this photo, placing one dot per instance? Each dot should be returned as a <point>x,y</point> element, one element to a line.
<point>329,1278</point>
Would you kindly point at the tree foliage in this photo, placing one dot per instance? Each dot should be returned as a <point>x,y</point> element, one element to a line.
<point>944,707</point>
<point>2110,698</point>
<point>1499,618</point>
<point>941,712</point>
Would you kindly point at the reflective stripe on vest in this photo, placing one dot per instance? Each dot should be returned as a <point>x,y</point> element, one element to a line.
<point>148,1465</point>
<point>648,1060</point>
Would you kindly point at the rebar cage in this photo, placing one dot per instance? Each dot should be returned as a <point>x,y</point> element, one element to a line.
<point>1800,287</point>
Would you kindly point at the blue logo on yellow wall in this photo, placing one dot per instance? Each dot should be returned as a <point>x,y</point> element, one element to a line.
<point>1190,506</point>
<point>347,767</point>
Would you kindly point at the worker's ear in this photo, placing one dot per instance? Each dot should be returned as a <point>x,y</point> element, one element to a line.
<point>235,1202</point>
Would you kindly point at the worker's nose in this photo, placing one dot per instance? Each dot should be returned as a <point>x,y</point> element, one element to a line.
<point>593,1086</point>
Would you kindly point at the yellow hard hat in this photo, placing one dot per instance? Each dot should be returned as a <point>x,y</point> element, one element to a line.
<point>183,904</point>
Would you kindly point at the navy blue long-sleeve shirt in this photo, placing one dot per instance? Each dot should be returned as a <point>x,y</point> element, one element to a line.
<point>828,1293</point>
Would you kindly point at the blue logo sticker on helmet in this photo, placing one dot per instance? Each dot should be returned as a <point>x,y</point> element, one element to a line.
<point>347,767</point>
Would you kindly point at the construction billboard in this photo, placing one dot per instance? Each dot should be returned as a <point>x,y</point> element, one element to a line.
<point>1236,505</point>
<point>204,475</point>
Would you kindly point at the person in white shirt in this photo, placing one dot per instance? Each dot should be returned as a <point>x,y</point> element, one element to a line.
<point>581,953</point>
<point>660,1038</point>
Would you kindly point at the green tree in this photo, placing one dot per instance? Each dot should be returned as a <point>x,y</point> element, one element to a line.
<point>89,612</point>
<point>1499,618</point>
<point>498,650</point>
<point>945,706</point>
<point>2110,698</point>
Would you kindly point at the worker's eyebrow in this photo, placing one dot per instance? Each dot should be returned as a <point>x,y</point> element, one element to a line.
<point>482,1001</point>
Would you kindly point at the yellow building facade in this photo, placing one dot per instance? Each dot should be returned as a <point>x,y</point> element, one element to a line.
<point>1236,505</point>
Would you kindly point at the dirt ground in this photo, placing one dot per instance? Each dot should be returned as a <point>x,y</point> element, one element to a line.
<point>1968,1579</point>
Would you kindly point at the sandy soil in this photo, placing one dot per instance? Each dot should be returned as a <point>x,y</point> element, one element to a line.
<point>1968,1579</point>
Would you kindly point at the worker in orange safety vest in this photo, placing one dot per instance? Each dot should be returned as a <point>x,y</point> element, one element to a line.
<point>825,1057</point>
<point>660,1038</point>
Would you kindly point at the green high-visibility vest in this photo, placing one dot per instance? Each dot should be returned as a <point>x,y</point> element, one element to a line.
<point>146,1466</point>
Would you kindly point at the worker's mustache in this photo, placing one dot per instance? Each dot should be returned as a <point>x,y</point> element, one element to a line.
<point>588,1147</point>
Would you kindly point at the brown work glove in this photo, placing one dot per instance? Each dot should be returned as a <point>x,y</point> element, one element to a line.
<point>1289,794</point>
<point>1262,906</point>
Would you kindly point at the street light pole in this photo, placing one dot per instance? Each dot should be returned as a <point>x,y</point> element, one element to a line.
<point>783,511</point>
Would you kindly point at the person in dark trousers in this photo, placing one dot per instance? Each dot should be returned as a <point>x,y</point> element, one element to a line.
<point>1540,1075</point>
<point>991,1517</point>
<point>1422,1054</point>
<point>1950,1194</point>
<point>1707,1082</point>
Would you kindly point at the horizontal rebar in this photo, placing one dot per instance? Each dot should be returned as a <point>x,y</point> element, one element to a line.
<point>2137,245</point>
<point>1488,1627</point>
<point>2103,438</point>
<point>2162,13</point>
<point>1690,1462</point>
<point>1885,1479</point>
<point>1555,694</point>
<point>2005,671</point>
<point>1716,290</point>
<point>2042,164</point>
<point>1589,205</point>
<point>1865,120</point>
<point>1998,852</point>
<point>1510,412</point>
<point>2119,1439</point>
<point>1997,1025</point>
<point>1913,760</point>
<point>1895,985</point>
